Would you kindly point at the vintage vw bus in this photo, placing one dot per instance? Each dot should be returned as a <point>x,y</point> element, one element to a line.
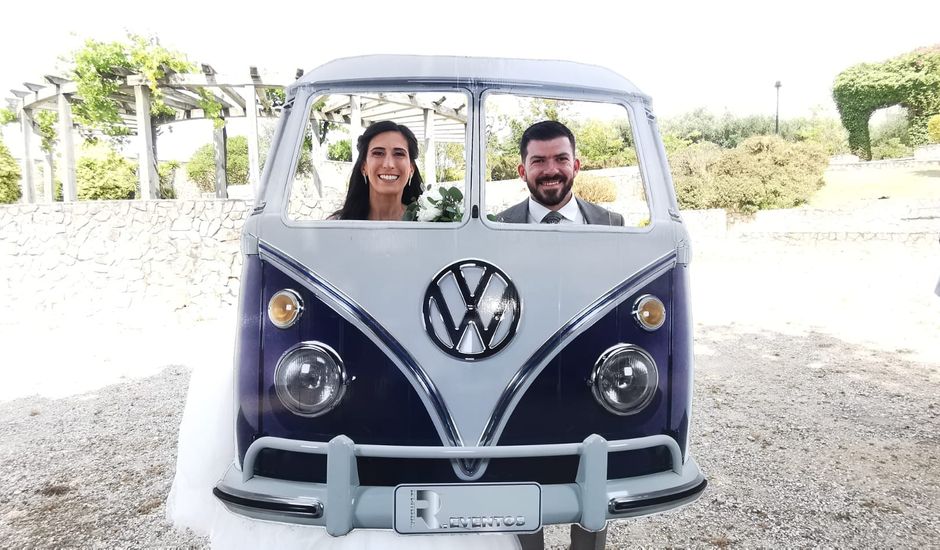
<point>466,375</point>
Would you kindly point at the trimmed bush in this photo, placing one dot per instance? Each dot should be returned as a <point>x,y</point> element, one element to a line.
<point>201,166</point>
<point>595,188</point>
<point>110,178</point>
<point>763,172</point>
<point>933,128</point>
<point>9,177</point>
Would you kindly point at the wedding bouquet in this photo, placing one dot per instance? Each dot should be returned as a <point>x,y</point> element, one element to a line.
<point>444,204</point>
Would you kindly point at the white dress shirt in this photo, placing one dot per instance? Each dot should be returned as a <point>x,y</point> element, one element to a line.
<point>570,212</point>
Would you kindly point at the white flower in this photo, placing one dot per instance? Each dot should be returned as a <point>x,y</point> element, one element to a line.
<point>427,212</point>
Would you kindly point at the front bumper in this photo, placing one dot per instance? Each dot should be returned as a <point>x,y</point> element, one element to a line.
<point>342,505</point>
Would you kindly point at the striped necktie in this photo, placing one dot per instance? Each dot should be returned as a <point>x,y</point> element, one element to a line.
<point>552,217</point>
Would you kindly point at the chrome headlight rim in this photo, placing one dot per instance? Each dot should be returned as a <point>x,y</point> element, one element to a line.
<point>295,297</point>
<point>639,303</point>
<point>594,380</point>
<point>288,401</point>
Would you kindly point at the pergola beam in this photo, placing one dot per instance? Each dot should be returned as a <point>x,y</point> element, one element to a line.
<point>181,80</point>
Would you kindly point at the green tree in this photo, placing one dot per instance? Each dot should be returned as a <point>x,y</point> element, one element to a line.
<point>9,176</point>
<point>449,162</point>
<point>7,116</point>
<point>100,70</point>
<point>601,145</point>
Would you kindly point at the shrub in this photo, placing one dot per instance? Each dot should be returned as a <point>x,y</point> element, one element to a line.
<point>502,167</point>
<point>9,177</point>
<point>201,166</point>
<point>762,172</point>
<point>340,151</point>
<point>933,128</point>
<point>827,132</point>
<point>693,173</point>
<point>166,170</point>
<point>110,178</point>
<point>595,188</point>
<point>891,148</point>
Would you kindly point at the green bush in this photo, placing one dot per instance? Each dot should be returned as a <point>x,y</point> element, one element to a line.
<point>9,177</point>
<point>595,188</point>
<point>933,128</point>
<point>166,170</point>
<point>110,178</point>
<point>201,166</point>
<point>762,172</point>
<point>891,148</point>
<point>501,167</point>
<point>693,173</point>
<point>340,151</point>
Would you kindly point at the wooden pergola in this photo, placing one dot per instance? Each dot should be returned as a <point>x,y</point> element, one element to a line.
<point>239,96</point>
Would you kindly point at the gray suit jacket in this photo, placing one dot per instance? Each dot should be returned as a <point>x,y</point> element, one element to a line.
<point>592,213</point>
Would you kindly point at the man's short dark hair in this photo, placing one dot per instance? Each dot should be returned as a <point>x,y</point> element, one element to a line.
<point>544,131</point>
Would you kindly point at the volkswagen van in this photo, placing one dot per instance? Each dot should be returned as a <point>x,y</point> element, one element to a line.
<point>462,373</point>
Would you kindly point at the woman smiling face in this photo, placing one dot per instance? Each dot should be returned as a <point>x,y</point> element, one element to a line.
<point>388,166</point>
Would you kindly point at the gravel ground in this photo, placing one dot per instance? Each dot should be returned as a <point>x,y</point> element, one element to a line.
<point>817,418</point>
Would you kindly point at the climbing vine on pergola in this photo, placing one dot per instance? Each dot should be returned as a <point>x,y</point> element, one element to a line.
<point>911,80</point>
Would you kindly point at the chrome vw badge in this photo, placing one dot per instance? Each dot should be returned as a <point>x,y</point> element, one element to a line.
<point>471,309</point>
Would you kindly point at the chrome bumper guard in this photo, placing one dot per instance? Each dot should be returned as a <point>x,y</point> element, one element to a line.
<point>342,505</point>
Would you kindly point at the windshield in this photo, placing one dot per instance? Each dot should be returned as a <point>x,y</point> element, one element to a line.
<point>543,152</point>
<point>371,155</point>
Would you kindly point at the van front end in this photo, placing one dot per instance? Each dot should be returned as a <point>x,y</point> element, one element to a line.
<point>472,369</point>
<point>349,466</point>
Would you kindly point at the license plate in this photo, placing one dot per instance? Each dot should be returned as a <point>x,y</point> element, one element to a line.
<point>468,508</point>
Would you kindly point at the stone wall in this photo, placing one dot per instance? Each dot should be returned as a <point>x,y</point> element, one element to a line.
<point>154,257</point>
<point>93,257</point>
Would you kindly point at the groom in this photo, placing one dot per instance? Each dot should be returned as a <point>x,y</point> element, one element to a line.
<point>549,167</point>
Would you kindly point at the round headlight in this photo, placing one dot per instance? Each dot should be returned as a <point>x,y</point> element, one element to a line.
<point>310,379</point>
<point>285,308</point>
<point>624,379</point>
<point>649,312</point>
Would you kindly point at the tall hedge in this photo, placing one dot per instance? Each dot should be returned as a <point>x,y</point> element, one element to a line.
<point>762,172</point>
<point>9,177</point>
<point>911,80</point>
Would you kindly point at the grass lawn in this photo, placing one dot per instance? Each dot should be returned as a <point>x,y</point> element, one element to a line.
<point>845,188</point>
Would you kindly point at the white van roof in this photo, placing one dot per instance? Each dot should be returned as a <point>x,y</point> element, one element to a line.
<point>549,73</point>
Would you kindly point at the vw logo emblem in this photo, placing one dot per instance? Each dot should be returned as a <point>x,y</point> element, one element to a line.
<point>471,309</point>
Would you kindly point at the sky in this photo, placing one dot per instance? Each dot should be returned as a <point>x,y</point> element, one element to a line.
<point>721,55</point>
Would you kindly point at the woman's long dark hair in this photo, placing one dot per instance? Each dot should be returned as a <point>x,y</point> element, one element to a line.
<point>356,206</point>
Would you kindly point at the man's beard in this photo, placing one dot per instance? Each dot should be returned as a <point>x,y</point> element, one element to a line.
<point>550,197</point>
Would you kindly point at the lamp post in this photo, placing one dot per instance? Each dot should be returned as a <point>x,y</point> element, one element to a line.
<point>777,118</point>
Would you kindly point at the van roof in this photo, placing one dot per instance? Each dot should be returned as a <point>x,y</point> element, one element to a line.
<point>456,69</point>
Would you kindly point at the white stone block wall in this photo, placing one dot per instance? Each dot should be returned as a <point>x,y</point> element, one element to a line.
<point>137,257</point>
<point>156,257</point>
